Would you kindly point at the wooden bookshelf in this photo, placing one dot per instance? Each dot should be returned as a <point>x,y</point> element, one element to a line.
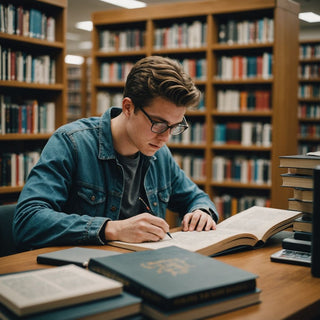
<point>19,89</point>
<point>281,84</point>
<point>79,88</point>
<point>309,96</point>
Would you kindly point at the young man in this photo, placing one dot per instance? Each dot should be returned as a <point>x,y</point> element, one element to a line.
<point>112,177</point>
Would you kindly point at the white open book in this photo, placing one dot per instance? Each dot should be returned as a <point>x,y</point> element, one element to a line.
<point>250,227</point>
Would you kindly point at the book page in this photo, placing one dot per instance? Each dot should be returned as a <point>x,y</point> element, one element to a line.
<point>259,221</point>
<point>28,290</point>
<point>244,228</point>
<point>191,240</point>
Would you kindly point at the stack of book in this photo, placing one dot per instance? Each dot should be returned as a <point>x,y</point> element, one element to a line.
<point>175,283</point>
<point>300,178</point>
<point>69,292</point>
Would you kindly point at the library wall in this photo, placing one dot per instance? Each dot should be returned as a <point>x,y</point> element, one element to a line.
<point>243,57</point>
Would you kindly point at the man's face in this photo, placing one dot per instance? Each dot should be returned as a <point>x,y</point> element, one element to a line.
<point>139,128</point>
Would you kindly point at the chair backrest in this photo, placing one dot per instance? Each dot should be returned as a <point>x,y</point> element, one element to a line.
<point>7,245</point>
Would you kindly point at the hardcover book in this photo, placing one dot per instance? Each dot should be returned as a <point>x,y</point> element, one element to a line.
<point>34,291</point>
<point>296,244</point>
<point>301,235</point>
<point>204,309</point>
<point>303,223</point>
<point>297,181</point>
<point>303,194</point>
<point>307,161</point>
<point>251,227</point>
<point>76,255</point>
<point>298,205</point>
<point>120,306</point>
<point>172,277</point>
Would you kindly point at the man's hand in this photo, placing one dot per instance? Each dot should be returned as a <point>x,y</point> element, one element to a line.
<point>198,220</point>
<point>140,228</point>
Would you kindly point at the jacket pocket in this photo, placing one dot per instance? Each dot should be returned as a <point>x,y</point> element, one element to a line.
<point>91,201</point>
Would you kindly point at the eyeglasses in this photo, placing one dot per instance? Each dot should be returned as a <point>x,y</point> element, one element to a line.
<point>161,127</point>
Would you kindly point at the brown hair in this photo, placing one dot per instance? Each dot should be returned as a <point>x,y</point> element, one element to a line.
<point>156,76</point>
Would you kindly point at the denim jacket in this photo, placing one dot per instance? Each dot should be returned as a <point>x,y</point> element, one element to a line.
<point>77,186</point>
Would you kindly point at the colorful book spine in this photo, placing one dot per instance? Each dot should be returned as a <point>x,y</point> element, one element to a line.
<point>15,167</point>
<point>246,31</point>
<point>27,22</point>
<point>22,66</point>
<point>184,35</point>
<point>28,117</point>
<point>242,170</point>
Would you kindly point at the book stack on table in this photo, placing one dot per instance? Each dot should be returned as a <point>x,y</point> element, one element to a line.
<point>175,283</point>
<point>69,292</point>
<point>300,179</point>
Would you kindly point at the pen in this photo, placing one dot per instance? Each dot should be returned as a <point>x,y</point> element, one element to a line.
<point>149,210</point>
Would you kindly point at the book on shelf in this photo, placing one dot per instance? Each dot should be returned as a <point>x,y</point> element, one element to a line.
<point>303,223</point>
<point>251,227</point>
<point>75,255</point>
<point>116,307</point>
<point>204,309</point>
<point>34,291</point>
<point>297,181</point>
<point>172,278</point>
<point>298,205</point>
<point>307,161</point>
<point>296,244</point>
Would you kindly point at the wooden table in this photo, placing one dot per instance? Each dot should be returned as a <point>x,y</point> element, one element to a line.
<point>288,291</point>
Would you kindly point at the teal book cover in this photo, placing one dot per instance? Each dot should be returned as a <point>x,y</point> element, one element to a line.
<point>117,307</point>
<point>172,277</point>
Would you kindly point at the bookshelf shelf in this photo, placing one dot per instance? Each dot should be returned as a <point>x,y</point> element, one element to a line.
<point>101,54</point>
<point>252,113</point>
<point>242,81</point>
<point>31,86</point>
<point>24,136</point>
<point>240,185</point>
<point>280,47</point>
<point>253,46</point>
<point>40,96</point>
<point>309,96</point>
<point>240,147</point>
<point>6,190</point>
<point>31,41</point>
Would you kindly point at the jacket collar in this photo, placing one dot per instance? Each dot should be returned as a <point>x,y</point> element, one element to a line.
<point>106,148</point>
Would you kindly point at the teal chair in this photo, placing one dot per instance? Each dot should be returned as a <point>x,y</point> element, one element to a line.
<point>7,245</point>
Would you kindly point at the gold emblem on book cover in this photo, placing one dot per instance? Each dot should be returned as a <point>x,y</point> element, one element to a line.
<point>174,266</point>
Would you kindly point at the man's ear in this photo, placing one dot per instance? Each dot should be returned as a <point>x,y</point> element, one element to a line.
<point>127,106</point>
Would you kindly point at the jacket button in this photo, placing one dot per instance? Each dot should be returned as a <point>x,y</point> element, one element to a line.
<point>113,208</point>
<point>93,198</point>
<point>155,204</point>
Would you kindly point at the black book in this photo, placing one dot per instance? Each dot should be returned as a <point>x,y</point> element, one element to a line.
<point>301,235</point>
<point>75,255</point>
<point>296,244</point>
<point>172,277</point>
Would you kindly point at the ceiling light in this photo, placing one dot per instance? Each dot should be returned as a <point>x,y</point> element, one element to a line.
<point>84,25</point>
<point>309,17</point>
<point>72,59</point>
<point>129,4</point>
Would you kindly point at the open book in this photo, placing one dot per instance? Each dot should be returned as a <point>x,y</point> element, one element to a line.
<point>26,293</point>
<point>250,227</point>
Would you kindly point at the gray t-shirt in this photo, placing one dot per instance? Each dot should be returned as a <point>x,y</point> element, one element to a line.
<point>130,205</point>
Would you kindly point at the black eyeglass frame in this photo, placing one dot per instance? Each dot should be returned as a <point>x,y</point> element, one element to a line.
<point>180,127</point>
